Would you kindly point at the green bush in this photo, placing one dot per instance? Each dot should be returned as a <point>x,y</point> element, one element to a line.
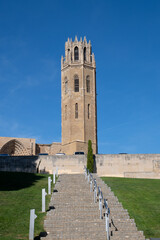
<point>90,161</point>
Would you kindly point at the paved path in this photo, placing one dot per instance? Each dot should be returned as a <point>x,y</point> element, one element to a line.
<point>75,216</point>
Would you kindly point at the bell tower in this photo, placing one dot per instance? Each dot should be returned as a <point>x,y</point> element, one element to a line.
<point>78,97</point>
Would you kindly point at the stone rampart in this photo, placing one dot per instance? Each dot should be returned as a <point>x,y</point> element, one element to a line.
<point>19,163</point>
<point>66,163</point>
<point>111,165</point>
<point>128,165</point>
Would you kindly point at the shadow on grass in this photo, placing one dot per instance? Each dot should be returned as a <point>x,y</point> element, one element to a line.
<point>10,181</point>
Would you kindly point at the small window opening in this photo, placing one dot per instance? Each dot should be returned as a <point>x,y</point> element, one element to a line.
<point>88,84</point>
<point>89,111</point>
<point>76,84</point>
<point>85,54</point>
<point>76,110</point>
<point>76,53</point>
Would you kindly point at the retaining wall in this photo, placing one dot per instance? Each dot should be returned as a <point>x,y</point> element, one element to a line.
<point>66,164</point>
<point>115,165</point>
<point>129,165</point>
<point>19,163</point>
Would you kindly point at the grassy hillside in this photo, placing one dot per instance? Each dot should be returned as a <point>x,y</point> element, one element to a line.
<point>142,199</point>
<point>20,192</point>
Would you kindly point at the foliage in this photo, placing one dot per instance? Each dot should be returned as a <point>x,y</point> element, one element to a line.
<point>90,161</point>
<point>20,192</point>
<point>141,197</point>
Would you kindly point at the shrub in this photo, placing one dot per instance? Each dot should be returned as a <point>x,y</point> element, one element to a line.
<point>90,161</point>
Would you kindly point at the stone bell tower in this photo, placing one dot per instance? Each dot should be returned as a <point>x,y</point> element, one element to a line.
<point>78,97</point>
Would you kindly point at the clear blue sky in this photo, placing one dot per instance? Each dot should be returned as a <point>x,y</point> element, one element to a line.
<point>125,37</point>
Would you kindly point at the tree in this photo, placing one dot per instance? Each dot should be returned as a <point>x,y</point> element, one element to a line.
<point>90,161</point>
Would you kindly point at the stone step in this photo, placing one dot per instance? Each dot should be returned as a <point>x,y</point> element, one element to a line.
<point>74,215</point>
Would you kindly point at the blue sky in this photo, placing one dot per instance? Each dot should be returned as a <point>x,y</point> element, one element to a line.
<point>125,37</point>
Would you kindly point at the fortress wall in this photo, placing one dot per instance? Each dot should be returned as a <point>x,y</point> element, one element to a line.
<point>66,164</point>
<point>128,165</point>
<point>19,163</point>
<point>112,165</point>
<point>43,164</point>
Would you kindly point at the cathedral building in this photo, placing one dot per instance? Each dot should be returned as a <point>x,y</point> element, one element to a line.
<point>78,106</point>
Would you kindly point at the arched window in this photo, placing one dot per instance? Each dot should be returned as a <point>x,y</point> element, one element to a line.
<point>88,84</point>
<point>76,110</point>
<point>85,54</point>
<point>66,85</point>
<point>65,117</point>
<point>76,83</point>
<point>89,114</point>
<point>76,53</point>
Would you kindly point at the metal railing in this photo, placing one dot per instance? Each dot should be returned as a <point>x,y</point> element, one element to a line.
<point>98,197</point>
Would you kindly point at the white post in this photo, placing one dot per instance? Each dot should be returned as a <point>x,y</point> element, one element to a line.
<point>54,177</point>
<point>99,193</point>
<point>95,193</point>
<point>33,216</point>
<point>107,225</point>
<point>49,185</point>
<point>85,173</point>
<point>91,185</point>
<point>57,171</point>
<point>88,177</point>
<point>100,205</point>
<point>95,190</point>
<point>43,200</point>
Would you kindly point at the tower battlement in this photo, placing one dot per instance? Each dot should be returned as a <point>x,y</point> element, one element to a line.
<point>78,52</point>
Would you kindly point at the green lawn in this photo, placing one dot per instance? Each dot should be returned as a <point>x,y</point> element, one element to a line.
<point>20,192</point>
<point>142,199</point>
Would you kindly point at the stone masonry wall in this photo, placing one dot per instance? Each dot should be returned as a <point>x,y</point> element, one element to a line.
<point>129,165</point>
<point>19,164</point>
<point>115,165</point>
<point>66,164</point>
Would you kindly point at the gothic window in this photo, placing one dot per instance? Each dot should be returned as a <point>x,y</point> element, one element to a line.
<point>76,83</point>
<point>88,84</point>
<point>76,53</point>
<point>65,112</point>
<point>89,114</point>
<point>85,54</point>
<point>76,110</point>
<point>66,85</point>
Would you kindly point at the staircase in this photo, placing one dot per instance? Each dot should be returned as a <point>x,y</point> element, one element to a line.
<point>73,214</point>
